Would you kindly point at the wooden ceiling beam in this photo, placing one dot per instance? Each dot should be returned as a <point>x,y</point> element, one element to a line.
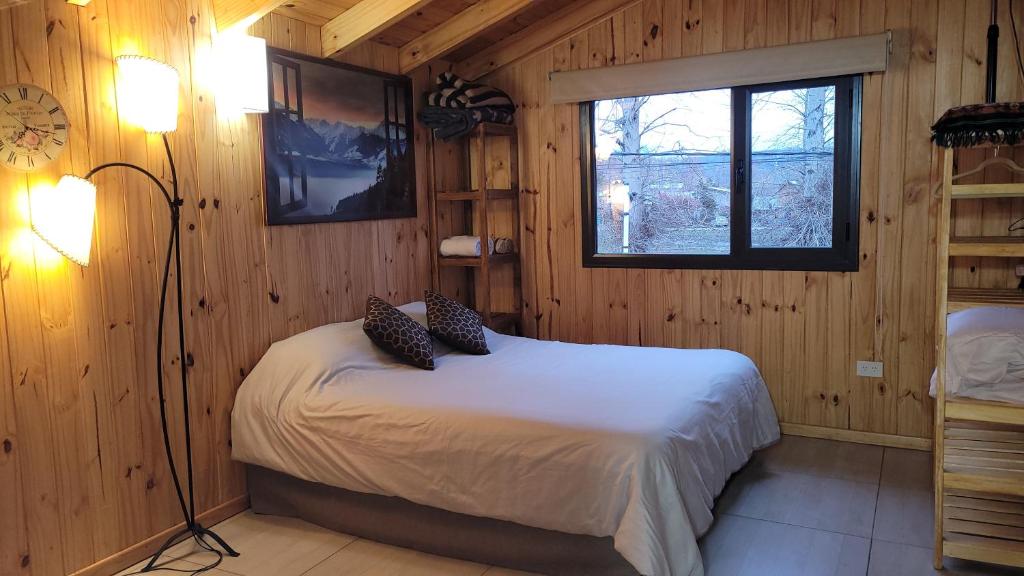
<point>231,14</point>
<point>551,29</point>
<point>456,30</point>
<point>363,21</point>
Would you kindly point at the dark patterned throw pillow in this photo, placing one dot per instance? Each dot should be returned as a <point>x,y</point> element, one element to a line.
<point>398,334</point>
<point>454,324</point>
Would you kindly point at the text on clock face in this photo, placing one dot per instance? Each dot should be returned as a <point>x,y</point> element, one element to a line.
<point>33,127</point>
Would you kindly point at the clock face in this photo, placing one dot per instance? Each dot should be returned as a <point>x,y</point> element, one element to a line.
<point>33,127</point>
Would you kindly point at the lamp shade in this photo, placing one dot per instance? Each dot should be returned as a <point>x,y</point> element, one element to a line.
<point>63,217</point>
<point>241,73</point>
<point>147,93</point>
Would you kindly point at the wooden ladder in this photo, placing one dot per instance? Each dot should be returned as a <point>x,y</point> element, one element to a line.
<point>979,446</point>
<point>478,196</point>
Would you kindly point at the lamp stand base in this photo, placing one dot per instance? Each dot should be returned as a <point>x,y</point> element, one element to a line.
<point>196,531</point>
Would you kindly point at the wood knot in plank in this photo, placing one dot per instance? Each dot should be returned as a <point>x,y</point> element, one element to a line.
<point>8,446</point>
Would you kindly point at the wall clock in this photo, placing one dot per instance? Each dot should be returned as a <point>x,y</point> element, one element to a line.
<point>33,127</point>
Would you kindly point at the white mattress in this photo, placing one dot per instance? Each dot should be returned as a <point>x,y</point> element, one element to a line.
<point>633,443</point>
<point>985,354</point>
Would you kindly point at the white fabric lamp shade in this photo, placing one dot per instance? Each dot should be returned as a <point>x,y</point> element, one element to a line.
<point>63,217</point>
<point>241,73</point>
<point>147,93</point>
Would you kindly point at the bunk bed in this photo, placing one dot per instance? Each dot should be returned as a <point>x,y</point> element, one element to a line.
<point>979,444</point>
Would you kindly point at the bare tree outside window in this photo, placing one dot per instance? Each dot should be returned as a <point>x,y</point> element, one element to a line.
<point>792,161</point>
<point>663,166</point>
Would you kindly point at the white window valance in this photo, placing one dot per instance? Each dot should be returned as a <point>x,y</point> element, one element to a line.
<point>821,59</point>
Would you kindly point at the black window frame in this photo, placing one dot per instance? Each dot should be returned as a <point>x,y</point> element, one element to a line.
<point>841,256</point>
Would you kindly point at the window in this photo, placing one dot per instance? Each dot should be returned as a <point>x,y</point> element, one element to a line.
<point>754,177</point>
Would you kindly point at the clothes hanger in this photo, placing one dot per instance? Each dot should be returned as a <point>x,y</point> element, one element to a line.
<point>996,160</point>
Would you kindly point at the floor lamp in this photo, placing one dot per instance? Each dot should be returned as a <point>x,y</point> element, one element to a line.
<point>63,217</point>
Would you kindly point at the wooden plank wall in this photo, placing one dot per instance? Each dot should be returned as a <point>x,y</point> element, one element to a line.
<point>82,470</point>
<point>804,330</point>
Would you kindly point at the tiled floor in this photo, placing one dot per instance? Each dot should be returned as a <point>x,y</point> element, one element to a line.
<point>803,507</point>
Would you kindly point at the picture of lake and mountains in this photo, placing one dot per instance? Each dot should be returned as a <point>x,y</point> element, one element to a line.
<point>337,143</point>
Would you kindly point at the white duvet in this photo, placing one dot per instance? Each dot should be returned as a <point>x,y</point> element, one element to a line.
<point>628,442</point>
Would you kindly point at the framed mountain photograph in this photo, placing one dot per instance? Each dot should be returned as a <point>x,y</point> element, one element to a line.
<point>337,143</point>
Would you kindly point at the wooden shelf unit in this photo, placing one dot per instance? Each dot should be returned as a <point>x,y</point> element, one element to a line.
<point>979,446</point>
<point>478,197</point>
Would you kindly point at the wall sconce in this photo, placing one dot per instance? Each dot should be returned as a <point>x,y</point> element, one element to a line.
<point>241,73</point>
<point>63,218</point>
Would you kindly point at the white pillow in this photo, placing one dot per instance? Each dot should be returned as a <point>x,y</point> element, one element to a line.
<point>985,354</point>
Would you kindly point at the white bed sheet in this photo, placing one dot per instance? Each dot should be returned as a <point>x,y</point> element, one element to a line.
<point>628,442</point>
<point>985,354</point>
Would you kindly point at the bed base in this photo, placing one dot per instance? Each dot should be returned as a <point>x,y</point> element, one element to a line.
<point>403,523</point>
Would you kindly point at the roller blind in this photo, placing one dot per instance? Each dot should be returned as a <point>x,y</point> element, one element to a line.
<point>819,59</point>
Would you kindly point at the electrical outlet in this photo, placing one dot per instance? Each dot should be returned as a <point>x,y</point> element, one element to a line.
<point>869,369</point>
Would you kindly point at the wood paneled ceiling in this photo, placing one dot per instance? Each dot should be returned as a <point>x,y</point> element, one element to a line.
<point>428,18</point>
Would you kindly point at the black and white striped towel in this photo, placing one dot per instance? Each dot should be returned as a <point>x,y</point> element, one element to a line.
<point>454,92</point>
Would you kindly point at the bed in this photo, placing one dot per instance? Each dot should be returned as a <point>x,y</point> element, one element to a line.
<point>619,444</point>
<point>985,354</point>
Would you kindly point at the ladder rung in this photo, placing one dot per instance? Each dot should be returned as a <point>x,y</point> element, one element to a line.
<point>981,549</point>
<point>964,191</point>
<point>964,298</point>
<point>982,411</point>
<point>980,482</point>
<point>1005,247</point>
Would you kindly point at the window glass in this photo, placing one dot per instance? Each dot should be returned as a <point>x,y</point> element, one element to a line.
<point>749,177</point>
<point>792,159</point>
<point>662,174</point>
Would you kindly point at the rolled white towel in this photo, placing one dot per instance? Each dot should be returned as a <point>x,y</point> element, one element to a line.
<point>464,246</point>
